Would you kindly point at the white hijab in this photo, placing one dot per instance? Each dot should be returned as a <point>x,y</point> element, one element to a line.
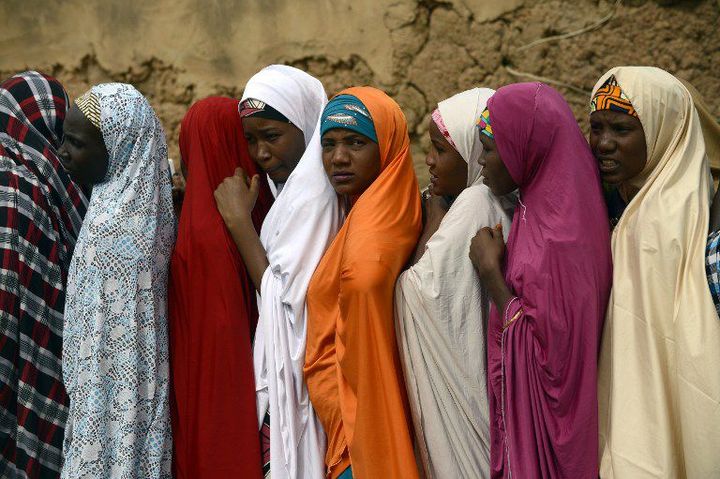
<point>298,228</point>
<point>441,316</point>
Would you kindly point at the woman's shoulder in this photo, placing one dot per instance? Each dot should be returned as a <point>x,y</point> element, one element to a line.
<point>477,207</point>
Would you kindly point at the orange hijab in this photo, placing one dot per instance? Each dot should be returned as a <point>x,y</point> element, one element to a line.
<point>352,367</point>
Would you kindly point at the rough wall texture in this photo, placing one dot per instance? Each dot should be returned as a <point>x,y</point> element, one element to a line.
<point>178,51</point>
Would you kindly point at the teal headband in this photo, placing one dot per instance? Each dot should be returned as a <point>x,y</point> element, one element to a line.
<point>349,113</point>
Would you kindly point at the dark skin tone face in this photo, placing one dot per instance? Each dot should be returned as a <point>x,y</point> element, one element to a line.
<point>83,153</point>
<point>351,161</point>
<point>618,142</point>
<point>448,170</point>
<point>497,176</point>
<point>275,146</point>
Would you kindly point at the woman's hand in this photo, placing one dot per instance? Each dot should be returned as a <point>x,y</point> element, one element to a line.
<point>435,208</point>
<point>487,250</point>
<point>236,197</point>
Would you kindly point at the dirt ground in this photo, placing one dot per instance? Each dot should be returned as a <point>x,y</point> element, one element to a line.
<point>420,52</point>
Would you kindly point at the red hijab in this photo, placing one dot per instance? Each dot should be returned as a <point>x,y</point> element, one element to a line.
<point>213,310</point>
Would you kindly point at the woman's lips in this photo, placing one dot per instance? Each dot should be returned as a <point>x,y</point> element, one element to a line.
<point>273,169</point>
<point>608,166</point>
<point>343,177</point>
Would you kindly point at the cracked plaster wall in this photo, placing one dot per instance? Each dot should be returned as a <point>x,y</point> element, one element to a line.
<point>420,52</point>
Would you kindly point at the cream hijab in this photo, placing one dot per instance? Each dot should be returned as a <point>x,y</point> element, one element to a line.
<point>659,387</point>
<point>441,316</point>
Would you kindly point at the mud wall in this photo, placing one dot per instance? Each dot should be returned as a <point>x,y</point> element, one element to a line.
<point>178,51</point>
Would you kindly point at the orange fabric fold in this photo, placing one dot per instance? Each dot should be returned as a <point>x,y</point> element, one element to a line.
<point>352,367</point>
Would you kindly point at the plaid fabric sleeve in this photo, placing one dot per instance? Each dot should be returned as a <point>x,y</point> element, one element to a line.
<point>33,401</point>
<point>712,259</point>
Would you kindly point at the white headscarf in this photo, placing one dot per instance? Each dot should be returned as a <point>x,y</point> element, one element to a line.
<point>441,316</point>
<point>115,349</point>
<point>659,387</point>
<point>456,113</point>
<point>298,228</point>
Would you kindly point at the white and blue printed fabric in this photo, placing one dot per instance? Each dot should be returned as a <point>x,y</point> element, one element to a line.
<point>115,352</point>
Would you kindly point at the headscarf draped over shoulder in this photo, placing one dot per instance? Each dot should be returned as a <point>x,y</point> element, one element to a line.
<point>350,303</point>
<point>299,227</point>
<point>659,412</point>
<point>542,346</point>
<point>116,313</point>
<point>441,313</point>
<point>213,309</point>
<point>40,218</point>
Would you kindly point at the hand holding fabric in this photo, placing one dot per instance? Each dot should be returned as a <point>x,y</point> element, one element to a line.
<point>236,197</point>
<point>487,250</point>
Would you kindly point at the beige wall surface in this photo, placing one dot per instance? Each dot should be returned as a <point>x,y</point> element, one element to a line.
<point>420,52</point>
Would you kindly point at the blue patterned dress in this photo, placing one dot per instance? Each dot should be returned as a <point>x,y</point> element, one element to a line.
<point>115,352</point>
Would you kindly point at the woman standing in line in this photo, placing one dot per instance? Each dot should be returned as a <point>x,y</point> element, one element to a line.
<point>40,218</point>
<point>115,349</point>
<point>352,367</point>
<point>280,113</point>
<point>549,286</point>
<point>441,310</point>
<point>658,388</point>
<point>213,308</point>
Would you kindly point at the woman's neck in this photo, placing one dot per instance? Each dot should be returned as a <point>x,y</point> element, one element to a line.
<point>627,192</point>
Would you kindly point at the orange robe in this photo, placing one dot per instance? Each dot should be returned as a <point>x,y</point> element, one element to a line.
<point>352,367</point>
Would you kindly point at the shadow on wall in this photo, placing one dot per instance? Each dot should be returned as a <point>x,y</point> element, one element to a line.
<point>420,52</point>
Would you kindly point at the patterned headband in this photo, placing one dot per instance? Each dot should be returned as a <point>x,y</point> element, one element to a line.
<point>484,124</point>
<point>260,109</point>
<point>347,112</point>
<point>611,97</point>
<point>90,107</point>
<point>438,120</point>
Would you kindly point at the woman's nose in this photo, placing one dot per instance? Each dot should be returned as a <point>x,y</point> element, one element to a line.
<point>606,143</point>
<point>430,159</point>
<point>263,153</point>
<point>340,155</point>
<point>62,151</point>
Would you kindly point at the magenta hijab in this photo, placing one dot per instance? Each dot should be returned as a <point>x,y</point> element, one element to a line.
<point>542,370</point>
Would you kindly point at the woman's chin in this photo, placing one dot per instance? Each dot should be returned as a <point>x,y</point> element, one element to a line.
<point>437,190</point>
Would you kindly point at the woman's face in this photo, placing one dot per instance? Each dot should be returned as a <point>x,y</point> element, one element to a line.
<point>618,142</point>
<point>275,146</point>
<point>83,153</point>
<point>448,170</point>
<point>496,175</point>
<point>351,161</point>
